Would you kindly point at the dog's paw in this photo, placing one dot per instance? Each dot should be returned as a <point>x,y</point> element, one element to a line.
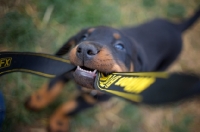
<point>58,123</point>
<point>44,96</point>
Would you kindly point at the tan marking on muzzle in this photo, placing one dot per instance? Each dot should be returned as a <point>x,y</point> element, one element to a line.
<point>119,67</point>
<point>103,61</point>
<point>131,67</point>
<point>116,66</point>
<point>73,58</point>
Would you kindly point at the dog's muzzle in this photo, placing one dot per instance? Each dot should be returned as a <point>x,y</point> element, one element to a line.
<point>86,51</point>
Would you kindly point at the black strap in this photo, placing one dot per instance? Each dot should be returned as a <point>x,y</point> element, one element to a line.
<point>149,88</point>
<point>36,63</point>
<point>146,87</point>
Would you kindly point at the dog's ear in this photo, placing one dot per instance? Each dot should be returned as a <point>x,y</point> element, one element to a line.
<point>67,46</point>
<point>74,40</point>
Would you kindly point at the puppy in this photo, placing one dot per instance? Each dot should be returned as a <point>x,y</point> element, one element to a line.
<point>151,46</point>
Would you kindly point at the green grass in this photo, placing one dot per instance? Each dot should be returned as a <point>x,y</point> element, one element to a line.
<point>132,116</point>
<point>24,27</point>
<point>18,31</point>
<point>183,125</point>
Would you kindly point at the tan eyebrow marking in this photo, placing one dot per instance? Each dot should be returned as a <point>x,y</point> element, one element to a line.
<point>72,42</point>
<point>91,30</point>
<point>116,35</point>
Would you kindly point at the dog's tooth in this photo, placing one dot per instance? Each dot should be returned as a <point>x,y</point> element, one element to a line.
<point>87,71</point>
<point>94,71</point>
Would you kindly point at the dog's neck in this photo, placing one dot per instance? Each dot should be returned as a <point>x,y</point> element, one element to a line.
<point>140,62</point>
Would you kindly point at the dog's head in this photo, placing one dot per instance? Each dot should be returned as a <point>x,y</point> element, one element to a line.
<point>102,49</point>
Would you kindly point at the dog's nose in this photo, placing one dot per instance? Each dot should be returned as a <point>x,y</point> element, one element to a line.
<point>86,51</point>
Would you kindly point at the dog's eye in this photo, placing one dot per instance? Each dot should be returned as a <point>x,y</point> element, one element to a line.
<point>84,37</point>
<point>119,46</point>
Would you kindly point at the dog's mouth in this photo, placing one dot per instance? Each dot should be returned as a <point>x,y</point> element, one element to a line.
<point>85,76</point>
<point>86,72</point>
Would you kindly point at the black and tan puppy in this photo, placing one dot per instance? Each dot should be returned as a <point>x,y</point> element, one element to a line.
<point>152,46</point>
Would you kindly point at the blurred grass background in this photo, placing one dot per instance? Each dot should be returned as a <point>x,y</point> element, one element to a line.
<point>43,26</point>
